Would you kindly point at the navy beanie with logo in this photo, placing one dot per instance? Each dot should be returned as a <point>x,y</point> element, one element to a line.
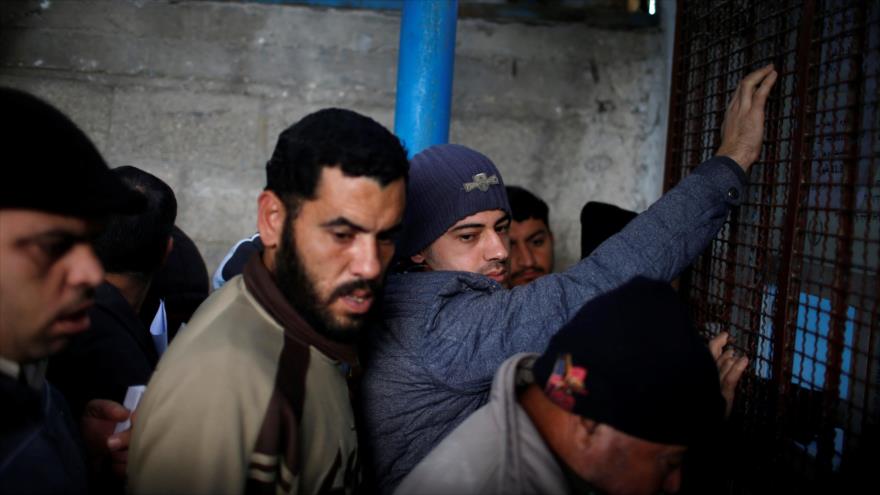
<point>631,359</point>
<point>447,182</point>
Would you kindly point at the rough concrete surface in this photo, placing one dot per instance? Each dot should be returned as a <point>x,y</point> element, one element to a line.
<point>197,93</point>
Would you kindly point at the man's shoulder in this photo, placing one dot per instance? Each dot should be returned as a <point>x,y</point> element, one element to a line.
<point>229,312</point>
<point>219,371</point>
<point>111,312</point>
<point>466,461</point>
<point>109,325</point>
<point>230,338</point>
<point>39,447</point>
<point>427,286</point>
<point>413,302</point>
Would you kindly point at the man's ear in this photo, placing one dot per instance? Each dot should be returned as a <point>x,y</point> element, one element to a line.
<point>271,215</point>
<point>168,249</point>
<point>418,258</point>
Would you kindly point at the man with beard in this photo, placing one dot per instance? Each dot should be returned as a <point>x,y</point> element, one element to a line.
<point>253,395</point>
<point>449,326</point>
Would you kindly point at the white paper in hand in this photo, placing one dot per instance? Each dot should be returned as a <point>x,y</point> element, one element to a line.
<point>132,399</point>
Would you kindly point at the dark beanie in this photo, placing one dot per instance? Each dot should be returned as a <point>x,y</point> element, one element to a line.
<point>631,359</point>
<point>50,165</point>
<point>447,182</point>
<point>599,221</point>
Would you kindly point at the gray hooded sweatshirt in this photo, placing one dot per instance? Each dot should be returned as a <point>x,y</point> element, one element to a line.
<point>497,450</point>
<point>444,334</point>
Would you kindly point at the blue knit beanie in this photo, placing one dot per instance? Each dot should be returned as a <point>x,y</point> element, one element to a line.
<point>447,182</point>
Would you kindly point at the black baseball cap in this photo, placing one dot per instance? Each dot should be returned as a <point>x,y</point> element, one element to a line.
<point>50,165</point>
<point>632,359</point>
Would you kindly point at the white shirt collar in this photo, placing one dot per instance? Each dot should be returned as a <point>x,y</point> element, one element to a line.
<point>10,368</point>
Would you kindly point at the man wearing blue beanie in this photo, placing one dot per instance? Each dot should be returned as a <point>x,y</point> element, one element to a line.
<point>448,323</point>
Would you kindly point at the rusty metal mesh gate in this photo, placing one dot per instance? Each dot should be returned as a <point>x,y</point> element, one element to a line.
<point>794,274</point>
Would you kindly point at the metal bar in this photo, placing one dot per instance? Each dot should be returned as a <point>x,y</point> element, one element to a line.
<point>871,417</point>
<point>764,258</point>
<point>839,304</point>
<point>812,172</point>
<point>705,261</point>
<point>733,225</point>
<point>871,397</point>
<point>673,168</point>
<point>841,277</point>
<point>678,121</point>
<point>784,325</point>
<point>424,73</point>
<point>695,155</point>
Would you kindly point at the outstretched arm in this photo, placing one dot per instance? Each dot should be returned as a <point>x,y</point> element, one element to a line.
<point>475,332</point>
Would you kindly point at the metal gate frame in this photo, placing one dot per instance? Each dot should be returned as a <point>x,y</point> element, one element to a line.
<point>793,275</point>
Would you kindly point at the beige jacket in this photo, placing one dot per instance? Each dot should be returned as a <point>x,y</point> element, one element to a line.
<point>495,451</point>
<point>240,403</point>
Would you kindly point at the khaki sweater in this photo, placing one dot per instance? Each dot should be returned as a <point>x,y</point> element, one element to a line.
<point>241,403</point>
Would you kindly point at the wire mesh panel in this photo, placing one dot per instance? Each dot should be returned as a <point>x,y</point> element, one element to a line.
<point>794,274</point>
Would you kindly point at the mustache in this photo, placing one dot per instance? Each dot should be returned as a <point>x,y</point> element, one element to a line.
<point>373,286</point>
<point>85,297</point>
<point>535,269</point>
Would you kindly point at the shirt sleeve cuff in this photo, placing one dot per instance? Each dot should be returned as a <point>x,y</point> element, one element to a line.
<point>729,177</point>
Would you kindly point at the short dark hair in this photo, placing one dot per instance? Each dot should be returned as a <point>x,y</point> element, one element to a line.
<point>137,243</point>
<point>525,205</point>
<point>359,145</point>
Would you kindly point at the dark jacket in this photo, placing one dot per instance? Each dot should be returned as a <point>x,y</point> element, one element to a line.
<point>182,283</point>
<point>40,448</point>
<point>101,363</point>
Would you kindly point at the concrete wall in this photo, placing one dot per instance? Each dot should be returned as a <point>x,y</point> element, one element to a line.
<point>197,92</point>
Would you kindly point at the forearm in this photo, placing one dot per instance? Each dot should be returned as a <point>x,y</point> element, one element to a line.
<point>664,240</point>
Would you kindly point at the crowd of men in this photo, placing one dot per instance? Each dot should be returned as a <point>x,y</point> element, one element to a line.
<point>394,326</point>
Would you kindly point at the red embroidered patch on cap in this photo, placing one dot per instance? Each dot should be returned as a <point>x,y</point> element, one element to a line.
<point>566,381</point>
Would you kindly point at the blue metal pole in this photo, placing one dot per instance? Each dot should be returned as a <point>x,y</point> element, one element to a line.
<point>424,73</point>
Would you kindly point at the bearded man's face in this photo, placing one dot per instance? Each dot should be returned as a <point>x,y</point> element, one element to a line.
<point>332,257</point>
